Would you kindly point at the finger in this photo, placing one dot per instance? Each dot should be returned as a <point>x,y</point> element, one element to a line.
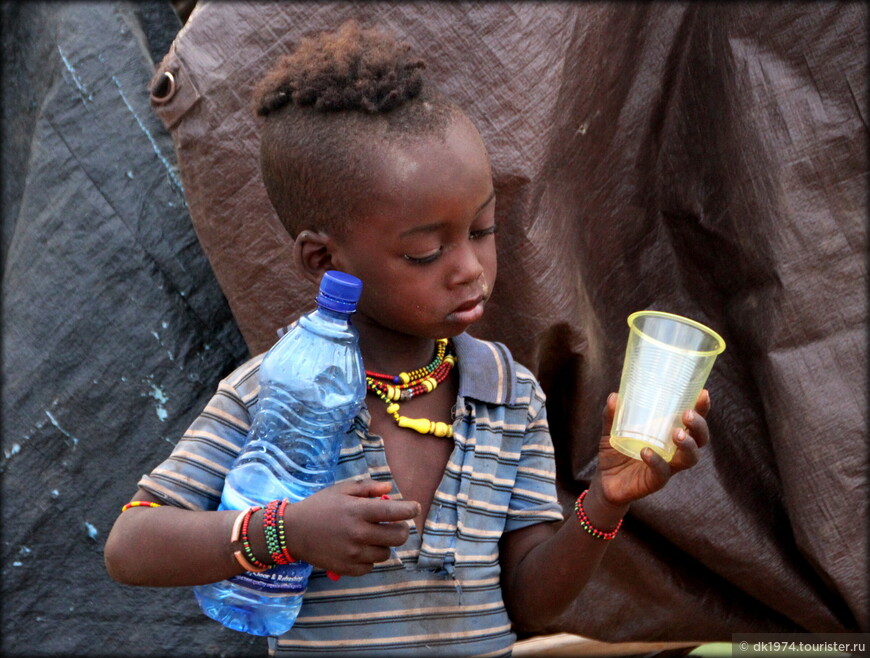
<point>365,487</point>
<point>703,403</point>
<point>687,454</point>
<point>607,414</point>
<point>363,563</point>
<point>387,534</point>
<point>660,468</point>
<point>697,427</point>
<point>374,554</point>
<point>357,569</point>
<point>386,511</point>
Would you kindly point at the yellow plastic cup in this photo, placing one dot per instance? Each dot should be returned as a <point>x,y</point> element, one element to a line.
<point>667,361</point>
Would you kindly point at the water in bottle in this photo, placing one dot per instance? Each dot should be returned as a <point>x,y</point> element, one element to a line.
<point>312,384</point>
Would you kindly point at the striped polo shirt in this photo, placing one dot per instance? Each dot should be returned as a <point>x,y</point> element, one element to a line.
<point>439,594</point>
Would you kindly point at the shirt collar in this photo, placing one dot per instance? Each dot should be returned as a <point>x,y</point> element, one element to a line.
<point>486,370</point>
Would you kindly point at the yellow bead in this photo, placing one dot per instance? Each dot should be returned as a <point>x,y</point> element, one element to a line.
<point>403,377</point>
<point>450,359</point>
<point>430,384</point>
<point>421,425</point>
<point>393,408</point>
<point>442,429</point>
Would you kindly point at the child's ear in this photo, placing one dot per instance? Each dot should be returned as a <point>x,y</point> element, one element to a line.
<point>312,254</point>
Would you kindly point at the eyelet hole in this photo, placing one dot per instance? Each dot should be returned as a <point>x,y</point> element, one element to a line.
<point>164,89</point>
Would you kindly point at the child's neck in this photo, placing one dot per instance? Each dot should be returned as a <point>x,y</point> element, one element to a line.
<point>390,352</point>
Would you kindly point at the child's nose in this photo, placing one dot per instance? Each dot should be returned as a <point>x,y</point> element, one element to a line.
<point>468,267</point>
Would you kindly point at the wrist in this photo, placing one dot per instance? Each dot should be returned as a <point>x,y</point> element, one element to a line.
<point>259,539</point>
<point>602,500</point>
<point>599,512</point>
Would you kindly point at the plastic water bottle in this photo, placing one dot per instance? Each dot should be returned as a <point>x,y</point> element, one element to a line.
<point>312,385</point>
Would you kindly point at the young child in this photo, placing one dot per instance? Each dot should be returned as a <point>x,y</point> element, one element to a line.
<point>377,174</point>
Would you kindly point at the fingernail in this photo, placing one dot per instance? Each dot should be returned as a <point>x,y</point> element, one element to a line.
<point>385,497</point>
<point>611,397</point>
<point>690,416</point>
<point>681,436</point>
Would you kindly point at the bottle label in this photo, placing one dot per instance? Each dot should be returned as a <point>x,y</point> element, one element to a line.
<point>283,580</point>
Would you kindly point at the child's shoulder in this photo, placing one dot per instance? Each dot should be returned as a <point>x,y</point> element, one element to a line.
<point>244,379</point>
<point>243,382</point>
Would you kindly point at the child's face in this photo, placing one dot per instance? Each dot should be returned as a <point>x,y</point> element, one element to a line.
<point>425,247</point>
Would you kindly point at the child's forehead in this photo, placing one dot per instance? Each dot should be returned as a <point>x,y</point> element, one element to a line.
<point>405,163</point>
<point>457,142</point>
<point>426,181</point>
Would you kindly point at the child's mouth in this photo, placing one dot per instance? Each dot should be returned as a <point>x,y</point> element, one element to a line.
<point>469,312</point>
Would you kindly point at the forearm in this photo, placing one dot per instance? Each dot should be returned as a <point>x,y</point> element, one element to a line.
<point>544,582</point>
<point>167,546</point>
<point>345,528</point>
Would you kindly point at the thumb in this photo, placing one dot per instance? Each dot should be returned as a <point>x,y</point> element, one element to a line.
<point>365,487</point>
<point>607,414</point>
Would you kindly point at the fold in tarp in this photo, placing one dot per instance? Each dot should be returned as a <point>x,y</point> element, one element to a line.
<point>704,159</point>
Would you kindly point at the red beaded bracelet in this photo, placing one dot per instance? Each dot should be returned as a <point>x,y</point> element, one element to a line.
<point>587,525</point>
<point>140,503</point>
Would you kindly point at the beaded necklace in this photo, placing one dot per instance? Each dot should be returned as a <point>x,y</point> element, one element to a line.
<point>407,385</point>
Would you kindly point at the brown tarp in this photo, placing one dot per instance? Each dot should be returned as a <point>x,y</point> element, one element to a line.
<point>703,159</point>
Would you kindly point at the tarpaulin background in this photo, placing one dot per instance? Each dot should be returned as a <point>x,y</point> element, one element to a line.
<point>703,159</point>
<point>115,331</point>
<point>708,160</point>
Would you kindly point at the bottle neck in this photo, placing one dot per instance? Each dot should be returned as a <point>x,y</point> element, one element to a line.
<point>330,315</point>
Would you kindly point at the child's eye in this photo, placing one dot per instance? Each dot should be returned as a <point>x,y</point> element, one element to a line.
<point>423,260</point>
<point>482,233</point>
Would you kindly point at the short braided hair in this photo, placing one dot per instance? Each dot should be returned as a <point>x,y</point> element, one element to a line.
<point>328,108</point>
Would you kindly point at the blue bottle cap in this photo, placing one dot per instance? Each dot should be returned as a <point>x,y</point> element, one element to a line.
<point>339,291</point>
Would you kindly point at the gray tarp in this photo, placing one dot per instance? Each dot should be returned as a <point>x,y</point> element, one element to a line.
<point>703,159</point>
<point>114,328</point>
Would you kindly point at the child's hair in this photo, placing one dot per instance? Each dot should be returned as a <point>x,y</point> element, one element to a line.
<point>330,108</point>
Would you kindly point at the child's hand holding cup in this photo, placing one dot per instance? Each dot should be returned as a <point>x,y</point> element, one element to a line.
<point>667,361</point>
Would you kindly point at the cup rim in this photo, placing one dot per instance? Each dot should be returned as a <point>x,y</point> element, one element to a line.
<point>678,318</point>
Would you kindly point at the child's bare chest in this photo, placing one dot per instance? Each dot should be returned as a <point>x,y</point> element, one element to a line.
<point>417,461</point>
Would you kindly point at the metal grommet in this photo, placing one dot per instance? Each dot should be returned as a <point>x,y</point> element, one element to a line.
<point>163,90</point>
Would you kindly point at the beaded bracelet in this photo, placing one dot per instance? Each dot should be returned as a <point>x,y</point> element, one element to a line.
<point>140,503</point>
<point>282,536</point>
<point>269,531</point>
<point>587,525</point>
<point>274,532</point>
<point>234,538</point>
<point>276,536</point>
<point>249,559</point>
